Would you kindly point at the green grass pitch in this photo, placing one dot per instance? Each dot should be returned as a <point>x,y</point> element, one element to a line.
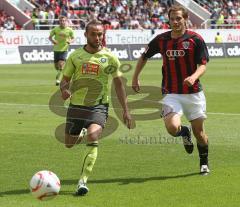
<point>128,172</point>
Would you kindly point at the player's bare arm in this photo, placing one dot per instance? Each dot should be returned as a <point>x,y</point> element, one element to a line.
<point>52,40</point>
<point>190,80</point>
<point>135,81</point>
<point>64,87</point>
<point>121,94</point>
<point>70,41</point>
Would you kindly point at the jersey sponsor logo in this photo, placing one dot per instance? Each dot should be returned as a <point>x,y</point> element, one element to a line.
<point>172,54</point>
<point>185,44</point>
<point>90,68</point>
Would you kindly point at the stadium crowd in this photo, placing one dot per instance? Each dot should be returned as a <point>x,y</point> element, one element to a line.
<point>125,14</point>
<point>224,13</point>
<point>7,22</point>
<point>114,14</point>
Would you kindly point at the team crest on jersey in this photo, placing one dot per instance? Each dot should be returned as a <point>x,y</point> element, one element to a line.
<point>103,60</point>
<point>185,44</point>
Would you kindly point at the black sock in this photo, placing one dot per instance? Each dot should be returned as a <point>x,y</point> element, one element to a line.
<point>203,154</point>
<point>183,132</point>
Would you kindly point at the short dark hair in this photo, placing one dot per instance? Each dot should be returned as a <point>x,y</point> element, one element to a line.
<point>175,8</point>
<point>62,17</point>
<point>93,22</point>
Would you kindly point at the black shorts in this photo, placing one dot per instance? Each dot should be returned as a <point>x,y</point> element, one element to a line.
<point>60,55</point>
<point>79,117</point>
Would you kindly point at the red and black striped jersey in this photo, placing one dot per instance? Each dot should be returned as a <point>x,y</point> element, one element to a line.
<point>181,58</point>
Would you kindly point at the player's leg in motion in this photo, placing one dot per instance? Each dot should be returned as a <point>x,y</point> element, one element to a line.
<point>71,140</point>
<point>59,67</point>
<point>202,144</point>
<point>173,125</point>
<point>90,155</point>
<point>74,131</point>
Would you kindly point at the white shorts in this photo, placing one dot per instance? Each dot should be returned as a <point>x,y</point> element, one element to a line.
<point>193,106</point>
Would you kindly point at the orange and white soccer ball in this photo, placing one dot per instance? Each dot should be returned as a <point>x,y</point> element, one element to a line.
<point>45,185</point>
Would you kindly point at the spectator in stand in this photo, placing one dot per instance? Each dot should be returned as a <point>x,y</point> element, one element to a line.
<point>214,17</point>
<point>42,16</point>
<point>238,16</point>
<point>64,10</point>
<point>146,23</point>
<point>220,20</point>
<point>50,17</point>
<point>10,23</point>
<point>35,19</point>
<point>56,8</point>
<point>74,21</point>
<point>3,16</point>
<point>27,12</point>
<point>115,23</point>
<point>134,23</point>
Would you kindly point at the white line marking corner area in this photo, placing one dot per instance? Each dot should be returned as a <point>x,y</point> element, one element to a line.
<point>45,105</point>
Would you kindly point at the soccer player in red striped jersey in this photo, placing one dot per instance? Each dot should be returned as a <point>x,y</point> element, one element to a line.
<point>185,56</point>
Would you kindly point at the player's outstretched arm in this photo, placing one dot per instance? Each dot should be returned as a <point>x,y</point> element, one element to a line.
<point>121,94</point>
<point>135,81</point>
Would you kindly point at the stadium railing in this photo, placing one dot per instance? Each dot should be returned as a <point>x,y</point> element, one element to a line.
<point>46,25</point>
<point>228,24</point>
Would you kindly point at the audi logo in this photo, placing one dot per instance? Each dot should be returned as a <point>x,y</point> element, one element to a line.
<point>175,53</point>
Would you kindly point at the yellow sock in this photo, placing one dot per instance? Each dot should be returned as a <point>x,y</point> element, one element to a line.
<point>90,157</point>
<point>59,75</point>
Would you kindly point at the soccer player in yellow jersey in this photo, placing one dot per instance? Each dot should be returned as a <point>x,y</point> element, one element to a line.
<point>88,70</point>
<point>61,36</point>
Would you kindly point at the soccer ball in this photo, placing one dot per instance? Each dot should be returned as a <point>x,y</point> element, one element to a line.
<point>45,185</point>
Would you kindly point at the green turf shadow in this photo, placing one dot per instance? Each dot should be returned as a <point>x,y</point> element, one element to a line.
<point>124,181</point>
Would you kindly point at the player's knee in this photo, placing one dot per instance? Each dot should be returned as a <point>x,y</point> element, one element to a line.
<point>94,133</point>
<point>60,64</point>
<point>173,130</point>
<point>93,137</point>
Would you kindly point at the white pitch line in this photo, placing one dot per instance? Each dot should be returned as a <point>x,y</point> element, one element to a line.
<point>25,93</point>
<point>45,105</point>
<point>225,114</point>
<point>27,105</point>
